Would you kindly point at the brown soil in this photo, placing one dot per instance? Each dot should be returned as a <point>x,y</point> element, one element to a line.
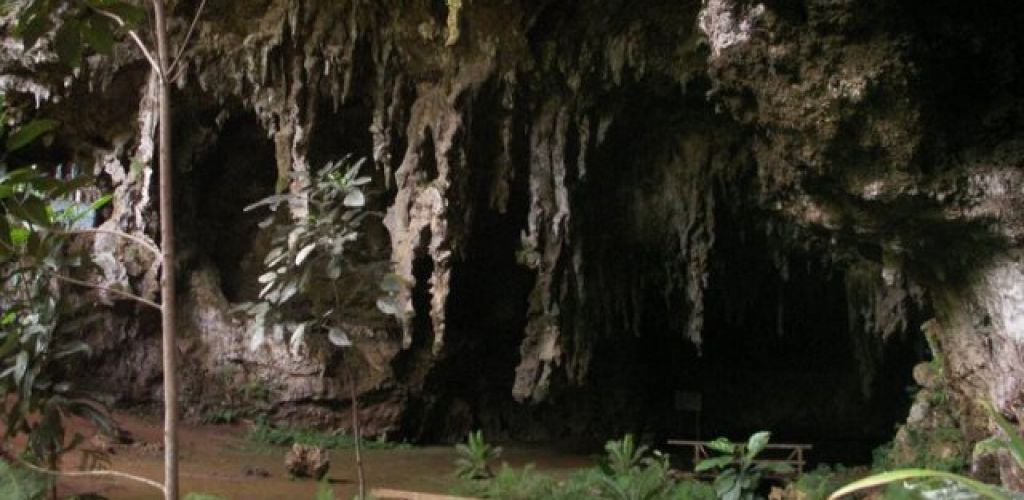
<point>217,460</point>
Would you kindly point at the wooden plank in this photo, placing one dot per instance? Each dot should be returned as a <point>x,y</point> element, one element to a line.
<point>770,446</point>
<point>388,494</point>
<point>795,457</point>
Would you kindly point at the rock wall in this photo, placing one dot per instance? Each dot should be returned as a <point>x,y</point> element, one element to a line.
<point>551,177</point>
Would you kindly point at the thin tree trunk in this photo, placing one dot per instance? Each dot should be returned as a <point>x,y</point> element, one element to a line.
<point>357,434</point>
<point>168,292</point>
<point>53,466</point>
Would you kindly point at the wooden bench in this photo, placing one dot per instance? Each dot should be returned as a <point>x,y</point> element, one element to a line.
<point>794,456</point>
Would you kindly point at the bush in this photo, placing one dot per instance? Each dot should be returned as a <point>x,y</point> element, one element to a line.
<point>475,457</point>
<point>626,472</point>
<point>818,484</point>
<point>267,434</point>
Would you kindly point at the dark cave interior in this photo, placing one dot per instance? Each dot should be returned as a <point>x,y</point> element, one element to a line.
<point>237,170</point>
<point>779,352</point>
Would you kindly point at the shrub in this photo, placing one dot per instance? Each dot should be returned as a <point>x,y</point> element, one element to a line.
<point>626,472</point>
<point>267,434</point>
<point>739,475</point>
<point>817,484</point>
<point>475,457</point>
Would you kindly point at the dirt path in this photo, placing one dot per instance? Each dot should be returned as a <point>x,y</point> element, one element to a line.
<point>217,460</point>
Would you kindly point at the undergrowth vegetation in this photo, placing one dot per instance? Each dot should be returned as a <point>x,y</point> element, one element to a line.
<point>930,483</point>
<point>264,433</point>
<point>20,483</point>
<point>39,324</point>
<point>626,472</point>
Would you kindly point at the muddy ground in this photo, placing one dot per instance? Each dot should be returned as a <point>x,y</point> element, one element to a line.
<point>219,460</point>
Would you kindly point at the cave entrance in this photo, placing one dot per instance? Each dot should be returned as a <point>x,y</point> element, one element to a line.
<point>780,348</point>
<point>780,353</point>
<point>239,169</point>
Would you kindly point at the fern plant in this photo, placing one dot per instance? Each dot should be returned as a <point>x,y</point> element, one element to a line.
<point>630,474</point>
<point>475,457</point>
<point>622,456</point>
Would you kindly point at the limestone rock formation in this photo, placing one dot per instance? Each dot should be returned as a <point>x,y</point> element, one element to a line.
<point>596,205</point>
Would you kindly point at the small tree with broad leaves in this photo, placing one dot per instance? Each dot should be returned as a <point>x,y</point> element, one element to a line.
<point>312,227</point>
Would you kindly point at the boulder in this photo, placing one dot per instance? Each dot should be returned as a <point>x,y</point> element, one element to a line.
<point>304,460</point>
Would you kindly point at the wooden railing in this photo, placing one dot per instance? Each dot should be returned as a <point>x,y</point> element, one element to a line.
<point>793,456</point>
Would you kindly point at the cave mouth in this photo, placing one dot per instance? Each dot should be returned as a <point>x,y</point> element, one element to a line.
<point>238,170</point>
<point>780,352</point>
<point>781,348</point>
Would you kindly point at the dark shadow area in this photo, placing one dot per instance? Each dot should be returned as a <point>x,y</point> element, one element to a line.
<point>779,354</point>
<point>486,311</point>
<point>238,170</point>
<point>779,350</point>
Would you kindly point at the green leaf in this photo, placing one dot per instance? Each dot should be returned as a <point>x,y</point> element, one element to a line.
<point>63,187</point>
<point>387,306</point>
<point>290,289</point>
<point>32,210</point>
<point>92,208</point>
<point>777,468</point>
<point>19,236</point>
<point>334,269</point>
<point>354,199</point>
<point>5,234</point>
<point>1015,443</point>
<point>257,339</point>
<point>18,482</point>
<point>985,490</point>
<point>68,43</point>
<point>392,283</point>
<point>338,338</point>
<point>33,23</point>
<point>20,366</point>
<point>722,445</point>
<point>128,13</point>
<point>29,132</point>
<point>10,343</point>
<point>304,253</point>
<point>297,337</point>
<point>98,33</point>
<point>757,442</point>
<point>991,444</point>
<point>72,348</point>
<point>271,201</point>
<point>713,463</point>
